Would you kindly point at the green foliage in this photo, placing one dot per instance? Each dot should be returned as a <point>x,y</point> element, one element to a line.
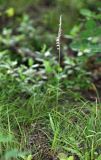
<point>89,38</point>
<point>62,156</point>
<point>30,76</point>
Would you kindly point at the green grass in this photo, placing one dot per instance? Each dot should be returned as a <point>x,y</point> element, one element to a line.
<point>42,115</point>
<point>71,127</point>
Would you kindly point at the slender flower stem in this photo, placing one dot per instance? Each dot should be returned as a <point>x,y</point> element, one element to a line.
<point>58,45</point>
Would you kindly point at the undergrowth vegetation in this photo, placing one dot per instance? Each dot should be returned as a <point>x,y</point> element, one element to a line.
<point>50,100</point>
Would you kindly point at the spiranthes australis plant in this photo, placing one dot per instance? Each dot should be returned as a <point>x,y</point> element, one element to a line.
<point>58,46</point>
<point>56,128</point>
<point>58,39</point>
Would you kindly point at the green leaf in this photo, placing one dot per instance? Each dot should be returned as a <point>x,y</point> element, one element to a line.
<point>10,12</point>
<point>48,67</point>
<point>52,123</point>
<point>87,13</point>
<point>30,62</point>
<point>70,158</point>
<point>62,156</point>
<point>90,24</point>
<point>75,30</point>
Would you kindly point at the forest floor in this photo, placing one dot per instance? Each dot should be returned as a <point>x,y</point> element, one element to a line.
<point>48,111</point>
